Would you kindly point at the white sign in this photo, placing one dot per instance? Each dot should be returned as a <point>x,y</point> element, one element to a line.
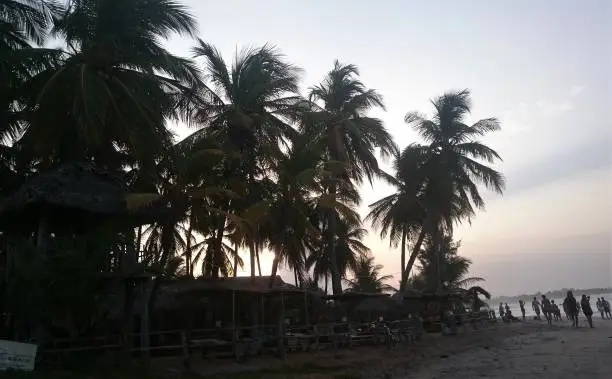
<point>17,355</point>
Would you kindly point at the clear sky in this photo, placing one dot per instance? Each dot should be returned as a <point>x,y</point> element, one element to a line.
<point>541,67</point>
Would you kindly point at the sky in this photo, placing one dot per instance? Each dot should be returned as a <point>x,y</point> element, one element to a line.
<point>541,67</point>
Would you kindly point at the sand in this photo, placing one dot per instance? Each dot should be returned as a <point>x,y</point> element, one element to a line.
<point>526,350</point>
<point>559,352</point>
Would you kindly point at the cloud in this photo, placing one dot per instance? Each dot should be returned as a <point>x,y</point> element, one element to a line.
<point>562,165</point>
<point>556,108</point>
<point>575,91</point>
<point>551,109</point>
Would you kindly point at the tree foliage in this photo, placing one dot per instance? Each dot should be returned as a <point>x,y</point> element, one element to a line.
<point>263,169</point>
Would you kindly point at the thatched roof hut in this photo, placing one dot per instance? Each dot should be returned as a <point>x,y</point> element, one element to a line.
<point>75,194</point>
<point>192,291</point>
<point>246,284</point>
<point>375,305</point>
<point>353,296</point>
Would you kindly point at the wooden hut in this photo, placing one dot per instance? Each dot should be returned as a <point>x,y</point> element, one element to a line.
<point>238,303</point>
<point>69,202</point>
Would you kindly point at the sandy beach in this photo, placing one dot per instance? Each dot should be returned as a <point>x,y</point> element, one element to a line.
<point>558,352</point>
<point>523,350</point>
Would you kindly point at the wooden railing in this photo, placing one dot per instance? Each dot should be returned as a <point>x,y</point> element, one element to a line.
<point>241,342</point>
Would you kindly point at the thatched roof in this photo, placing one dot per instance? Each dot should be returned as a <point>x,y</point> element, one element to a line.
<point>69,189</point>
<point>248,284</point>
<point>354,296</point>
<point>442,294</point>
<point>399,296</point>
<point>375,304</point>
<point>79,186</point>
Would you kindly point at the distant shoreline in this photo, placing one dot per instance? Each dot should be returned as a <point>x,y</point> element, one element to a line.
<point>553,294</point>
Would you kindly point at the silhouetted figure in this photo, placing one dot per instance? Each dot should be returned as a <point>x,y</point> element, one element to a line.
<point>547,309</point>
<point>536,307</point>
<point>600,308</point>
<point>522,305</point>
<point>556,310</point>
<point>586,309</point>
<point>606,307</point>
<point>571,308</point>
<point>501,311</point>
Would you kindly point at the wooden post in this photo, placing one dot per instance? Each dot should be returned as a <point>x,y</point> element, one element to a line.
<point>42,235</point>
<point>185,348</point>
<point>235,341</point>
<point>281,329</point>
<point>307,315</point>
<point>234,317</point>
<point>263,310</point>
<point>144,323</point>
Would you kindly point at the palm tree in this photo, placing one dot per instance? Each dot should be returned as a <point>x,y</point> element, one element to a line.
<point>283,215</point>
<point>248,114</point>
<point>401,214</point>
<point>368,277</point>
<point>450,166</point>
<point>115,85</point>
<point>339,117</point>
<point>454,268</point>
<point>216,262</point>
<point>349,249</point>
<point>23,25</point>
<point>455,271</point>
<point>25,21</point>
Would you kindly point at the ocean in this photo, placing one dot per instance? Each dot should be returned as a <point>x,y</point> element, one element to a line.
<point>516,310</point>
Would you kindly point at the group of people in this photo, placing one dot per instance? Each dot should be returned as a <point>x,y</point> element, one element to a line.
<point>547,307</point>
<point>506,314</point>
<point>551,311</point>
<point>571,308</point>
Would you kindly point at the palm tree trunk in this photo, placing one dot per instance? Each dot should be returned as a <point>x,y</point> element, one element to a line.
<point>139,241</point>
<point>218,250</point>
<point>414,254</point>
<point>439,269</point>
<point>258,262</point>
<point>403,259</point>
<point>331,245</point>
<point>252,257</point>
<point>235,259</point>
<point>273,271</point>
<point>295,276</point>
<point>428,226</point>
<point>326,282</point>
<point>188,250</point>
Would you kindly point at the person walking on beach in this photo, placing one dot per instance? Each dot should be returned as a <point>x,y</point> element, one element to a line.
<point>565,311</point>
<point>547,309</point>
<point>536,307</point>
<point>600,308</point>
<point>606,307</point>
<point>586,309</point>
<point>571,306</point>
<point>556,313</point>
<point>522,305</point>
